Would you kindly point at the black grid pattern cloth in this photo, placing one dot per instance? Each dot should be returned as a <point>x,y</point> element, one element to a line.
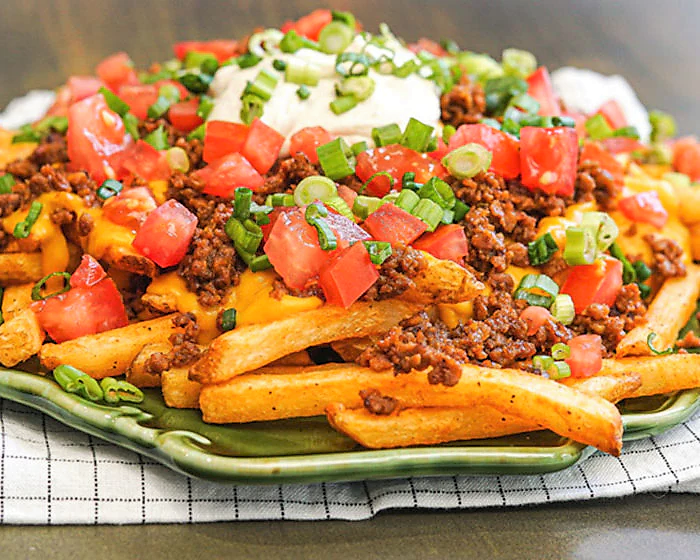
<point>52,474</point>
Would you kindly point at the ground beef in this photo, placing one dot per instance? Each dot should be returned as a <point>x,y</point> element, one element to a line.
<point>376,403</point>
<point>86,224</point>
<point>193,148</point>
<point>554,266</point>
<point>463,104</point>
<point>4,238</point>
<point>10,202</point>
<point>52,149</point>
<point>668,256</point>
<point>690,340</point>
<point>184,347</point>
<point>62,216</point>
<point>187,190</point>
<point>396,273</point>
<point>592,181</point>
<point>285,175</point>
<point>487,248</point>
<point>630,306</point>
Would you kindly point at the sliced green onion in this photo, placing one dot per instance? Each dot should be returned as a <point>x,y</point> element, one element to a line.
<point>429,212</point>
<point>228,319</point>
<point>627,132</point>
<point>542,363</point>
<point>302,73</point>
<point>448,216</point>
<point>467,161</point>
<point>352,64</point>
<point>391,197</point>
<point>26,134</point>
<point>279,65</point>
<point>343,104</point>
<point>131,124</point>
<point>6,183</point>
<point>261,262</point>
<point>335,37</point>
<point>525,102</point>
<point>110,188</point>
<point>56,122</point>
<point>177,160</point>
<point>292,42</point>
<point>260,213</point>
<point>386,135</point>
<point>344,17</point>
<point>537,289</point>
<point>379,251</point>
<point>280,199</point>
<point>72,380</point>
<point>159,108</point>
<point>417,135</point>
<point>563,309</point>
<point>314,188</point>
<point>663,126</point>
<point>247,60</point>
<point>358,147</point>
<point>340,206</point>
<point>407,200</point>
<point>326,238</point>
<point>644,290</point>
<point>206,104</point>
<point>650,343</point>
<point>374,176</point>
<point>559,370</point>
<point>439,192</point>
<point>460,210</point>
<point>170,91</point>
<point>518,63</point>
<point>499,92</point>
<point>598,128</point>
<point>198,133</point>
<point>23,228</point>
<point>481,66</point>
<point>246,235</point>
<point>36,290</point>
<point>118,390</point>
<point>196,83</point>
<point>243,197</point>
<point>561,351</point>
<point>406,69</point>
<point>263,85</point>
<point>158,138</point>
<point>251,108</point>
<point>334,159</point>
<point>542,249</point>
<point>363,206</point>
<point>581,246</point>
<point>303,92</point>
<point>360,87</point>
<point>604,225</point>
<point>642,271</point>
<point>448,132</point>
<point>206,62</point>
<point>493,123</point>
<point>114,102</point>
<point>629,275</point>
<point>265,42</point>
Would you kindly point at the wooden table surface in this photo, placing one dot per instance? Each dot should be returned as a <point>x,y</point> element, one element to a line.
<point>655,45</point>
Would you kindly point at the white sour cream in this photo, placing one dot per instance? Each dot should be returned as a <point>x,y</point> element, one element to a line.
<point>395,100</point>
<point>586,90</point>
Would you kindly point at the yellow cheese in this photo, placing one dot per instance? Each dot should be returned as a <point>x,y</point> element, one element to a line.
<point>106,235</point>
<point>452,314</point>
<point>159,190</point>
<point>556,225</point>
<point>635,245</point>
<point>10,152</point>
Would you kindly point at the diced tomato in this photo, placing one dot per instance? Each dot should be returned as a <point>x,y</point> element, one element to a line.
<point>622,145</point>
<point>293,248</point>
<point>222,49</point>
<point>580,120</point>
<point>593,151</point>
<point>222,138</point>
<point>396,160</point>
<point>130,207</point>
<point>506,159</point>
<point>549,158</point>
<point>446,242</point>
<point>644,207</point>
<point>183,115</point>
<point>391,223</point>
<point>311,24</point>
<point>379,185</point>
<point>441,151</point>
<point>83,86</point>
<point>262,146</point>
<point>599,282</point>
<point>117,70</point>
<point>307,140</point>
<point>346,231</point>
<point>92,305</point>
<point>96,135</point>
<point>686,157</point>
<point>427,45</point>
<point>166,234</point>
<point>182,90</point>
<point>534,317</point>
<point>225,174</point>
<point>143,160</point>
<point>539,86</point>
<point>613,113</point>
<point>347,194</point>
<point>347,275</point>
<point>139,98</point>
<point>586,356</point>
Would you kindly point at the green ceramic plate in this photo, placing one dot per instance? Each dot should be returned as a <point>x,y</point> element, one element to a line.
<point>308,450</point>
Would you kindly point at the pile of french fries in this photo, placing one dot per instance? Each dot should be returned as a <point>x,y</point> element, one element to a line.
<point>264,372</point>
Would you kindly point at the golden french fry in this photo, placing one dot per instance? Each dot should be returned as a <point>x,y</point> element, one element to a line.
<point>695,241</point>
<point>165,303</point>
<point>130,261</point>
<point>300,358</point>
<point>20,338</point>
<point>689,209</point>
<point>107,353</point>
<point>611,386</point>
<point>19,268</point>
<point>350,348</point>
<point>251,347</point>
<point>658,374</point>
<point>670,310</point>
<point>137,374</point>
<point>16,299</point>
<point>178,390</point>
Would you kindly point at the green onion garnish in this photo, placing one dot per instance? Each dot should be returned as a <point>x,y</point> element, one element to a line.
<point>198,133</point>
<point>279,65</point>
<point>360,87</point>
<point>23,228</point>
<point>54,122</point>
<point>316,187</point>
<point>206,62</point>
<point>650,343</point>
<point>542,363</point>
<point>627,132</point>
<point>251,108</point>
<point>581,246</point>
<point>196,83</point>
<point>177,159</point>
<point>246,235</point>
<point>525,102</point>
<point>72,380</point>
<point>598,128</point>
<point>26,134</point>
<point>499,92</point>
<point>386,135</point>
<point>110,188</point>
<point>363,206</point>
<point>417,135</point>
<point>379,251</point>
<point>326,238</point>
<point>343,104</point>
<point>334,161</point>
<point>352,64</point>
<point>302,73</point>
<point>206,104</point>
<point>429,212</point>
<point>407,200</point>
<point>642,271</point>
<point>36,290</point>
<point>292,42</point>
<point>228,319</point>
<point>467,161</point>
<point>439,192</point>
<point>358,147</point>
<point>335,37</point>
<point>559,370</point>
<point>263,85</point>
<point>131,124</point>
<point>118,390</point>
<point>158,138</point>
<point>280,199</point>
<point>261,262</point>
<point>561,351</point>
<point>563,309</point>
<point>447,133</point>
<point>303,92</point>
<point>344,17</point>
<point>406,69</point>
<point>605,227</point>
<point>241,203</point>
<point>537,289</point>
<point>663,126</point>
<point>542,249</point>
<point>460,210</point>
<point>6,182</point>
<point>114,102</point>
<point>518,63</point>
<point>247,60</point>
<point>374,176</point>
<point>340,206</point>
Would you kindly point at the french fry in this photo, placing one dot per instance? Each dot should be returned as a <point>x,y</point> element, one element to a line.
<point>16,299</point>
<point>613,386</point>
<point>670,310</point>
<point>301,358</point>
<point>254,346</point>
<point>137,373</point>
<point>20,268</point>
<point>695,241</point>
<point>178,390</point>
<point>442,281</point>
<point>20,338</point>
<point>658,374</point>
<point>350,348</point>
<point>165,303</point>
<point>107,353</point>
<point>689,209</point>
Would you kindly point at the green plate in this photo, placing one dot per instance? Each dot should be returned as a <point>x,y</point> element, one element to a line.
<point>309,450</point>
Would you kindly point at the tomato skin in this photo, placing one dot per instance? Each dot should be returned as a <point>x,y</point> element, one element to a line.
<point>130,207</point>
<point>346,231</point>
<point>622,145</point>
<point>88,274</point>
<point>139,98</point>
<point>81,87</point>
<point>183,115</point>
<point>505,148</point>
<point>580,120</point>
<point>686,157</point>
<point>391,223</point>
<point>311,24</point>
<point>262,146</point>
<point>166,233</point>
<point>222,49</point>
<point>143,160</point>
<point>548,159</point>
<point>307,140</point>
<point>540,87</point>
<point>644,207</point>
<point>586,358</point>
<point>599,282</point>
<point>613,113</point>
<point>223,175</point>
<point>441,151</point>
<point>347,194</point>
<point>535,317</point>
<point>222,138</point>
<point>396,160</point>
<point>95,137</point>
<point>117,70</point>
<point>347,275</point>
<point>427,45</point>
<point>593,151</point>
<point>446,242</point>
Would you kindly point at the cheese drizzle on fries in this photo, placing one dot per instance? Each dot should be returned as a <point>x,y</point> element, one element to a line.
<point>246,228</point>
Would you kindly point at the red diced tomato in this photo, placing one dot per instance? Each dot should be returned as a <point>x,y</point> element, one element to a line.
<point>549,158</point>
<point>293,248</point>
<point>428,45</point>
<point>580,120</point>
<point>166,234</point>
<point>644,207</point>
<point>311,24</point>
<point>441,151</point>
<point>183,115</point>
<point>346,231</point>
<point>622,145</point>
<point>139,98</point>
<point>96,136</point>
<point>83,86</point>
<point>347,275</point>
<point>540,87</point>
<point>586,356</point>
<point>391,223</point>
<point>262,146</point>
<point>224,175</point>
<point>130,207</point>
<point>222,49</point>
<point>613,113</point>
<point>347,194</point>
<point>307,140</point>
<point>686,157</point>
<point>592,151</point>
<point>599,282</point>
<point>182,90</point>
<point>379,185</point>
<point>446,242</point>
<point>117,70</point>
<point>505,148</point>
<point>397,160</point>
<point>222,138</point>
<point>92,305</point>
<point>534,317</point>
<point>143,160</point>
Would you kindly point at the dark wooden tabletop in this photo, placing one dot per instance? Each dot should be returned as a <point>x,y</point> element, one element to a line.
<point>654,44</point>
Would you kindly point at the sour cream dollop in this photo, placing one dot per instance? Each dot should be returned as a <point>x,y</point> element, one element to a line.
<point>395,100</point>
